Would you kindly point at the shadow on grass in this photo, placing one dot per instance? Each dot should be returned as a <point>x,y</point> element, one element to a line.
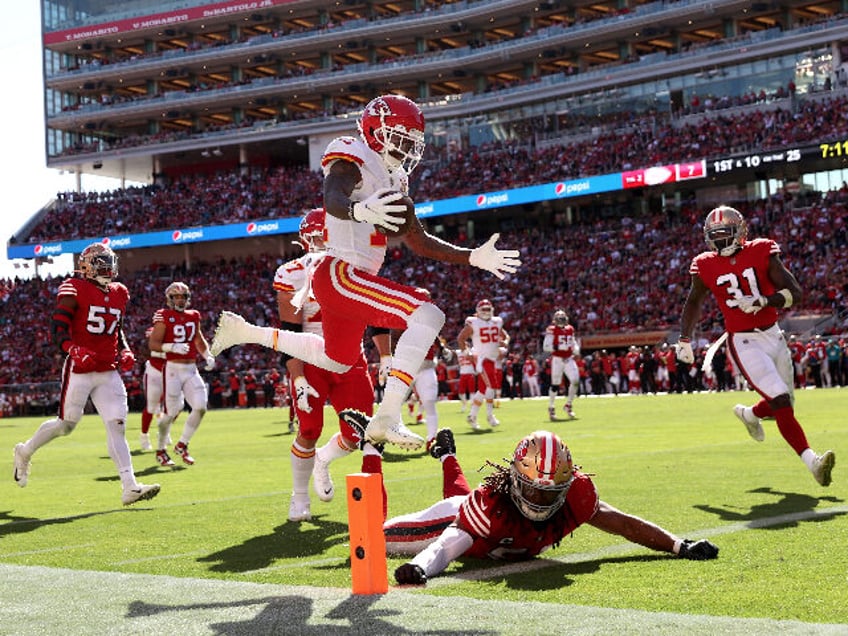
<point>787,511</point>
<point>10,524</point>
<point>292,615</point>
<point>287,541</point>
<point>556,575</point>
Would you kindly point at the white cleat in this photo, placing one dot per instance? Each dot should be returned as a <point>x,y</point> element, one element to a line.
<point>823,466</point>
<point>322,483</point>
<point>472,422</point>
<point>752,423</point>
<point>140,493</point>
<point>493,421</point>
<point>231,331</point>
<point>144,442</point>
<point>299,508</point>
<point>384,429</point>
<point>22,466</point>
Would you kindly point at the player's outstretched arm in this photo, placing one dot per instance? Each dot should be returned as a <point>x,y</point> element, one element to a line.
<point>650,535</point>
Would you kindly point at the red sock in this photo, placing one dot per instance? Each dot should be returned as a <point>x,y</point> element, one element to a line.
<point>762,409</point>
<point>791,429</point>
<point>146,418</point>
<point>453,480</point>
<point>374,464</point>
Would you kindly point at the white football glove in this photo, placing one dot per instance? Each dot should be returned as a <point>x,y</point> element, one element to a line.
<point>303,390</point>
<point>180,348</point>
<point>385,367</point>
<point>498,262</point>
<point>751,304</point>
<point>380,209</point>
<point>684,351</point>
<point>210,361</point>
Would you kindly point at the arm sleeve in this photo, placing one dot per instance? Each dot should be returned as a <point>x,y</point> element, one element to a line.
<point>61,328</point>
<point>451,544</point>
<point>289,326</point>
<point>548,343</point>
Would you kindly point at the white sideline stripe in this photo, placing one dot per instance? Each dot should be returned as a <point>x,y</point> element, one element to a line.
<point>35,600</point>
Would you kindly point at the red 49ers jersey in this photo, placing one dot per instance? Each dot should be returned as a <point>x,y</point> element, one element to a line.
<point>180,326</point>
<point>743,274</point>
<point>97,320</point>
<point>501,532</point>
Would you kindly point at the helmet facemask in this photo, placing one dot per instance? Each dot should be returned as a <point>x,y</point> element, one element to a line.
<point>484,310</point>
<point>178,296</point>
<point>541,474</point>
<point>401,148</point>
<point>393,126</point>
<point>725,230</point>
<point>560,318</point>
<point>99,263</point>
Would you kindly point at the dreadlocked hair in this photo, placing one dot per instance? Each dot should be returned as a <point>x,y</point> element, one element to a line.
<point>499,480</point>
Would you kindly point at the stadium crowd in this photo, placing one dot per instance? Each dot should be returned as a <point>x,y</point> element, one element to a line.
<point>625,274</point>
<point>230,197</point>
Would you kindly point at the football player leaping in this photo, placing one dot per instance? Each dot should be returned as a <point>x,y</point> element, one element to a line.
<point>364,180</point>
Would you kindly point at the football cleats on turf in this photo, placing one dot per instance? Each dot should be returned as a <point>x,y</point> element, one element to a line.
<point>485,309</point>
<point>177,296</point>
<point>725,230</point>
<point>98,263</point>
<point>393,126</point>
<point>312,230</point>
<point>541,473</point>
<point>560,318</point>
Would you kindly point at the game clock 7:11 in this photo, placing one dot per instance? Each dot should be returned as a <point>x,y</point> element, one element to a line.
<point>834,149</point>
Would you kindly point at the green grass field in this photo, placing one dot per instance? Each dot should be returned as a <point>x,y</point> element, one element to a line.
<point>214,553</point>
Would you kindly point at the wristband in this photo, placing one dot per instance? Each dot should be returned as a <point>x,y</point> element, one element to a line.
<point>350,213</point>
<point>677,544</point>
<point>787,297</point>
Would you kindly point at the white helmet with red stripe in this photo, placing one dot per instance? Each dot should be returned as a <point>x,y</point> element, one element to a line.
<point>541,473</point>
<point>485,309</point>
<point>725,230</point>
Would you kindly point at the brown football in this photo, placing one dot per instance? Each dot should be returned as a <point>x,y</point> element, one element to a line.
<point>409,217</point>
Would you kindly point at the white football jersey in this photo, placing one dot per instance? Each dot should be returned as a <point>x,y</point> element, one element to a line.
<point>291,277</point>
<point>485,337</point>
<point>359,243</point>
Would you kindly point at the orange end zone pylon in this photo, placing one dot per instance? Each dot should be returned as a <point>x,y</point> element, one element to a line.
<point>367,541</point>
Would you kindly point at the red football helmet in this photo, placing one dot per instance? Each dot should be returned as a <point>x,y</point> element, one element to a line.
<point>485,309</point>
<point>393,126</point>
<point>542,473</point>
<point>313,233</point>
<point>98,263</point>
